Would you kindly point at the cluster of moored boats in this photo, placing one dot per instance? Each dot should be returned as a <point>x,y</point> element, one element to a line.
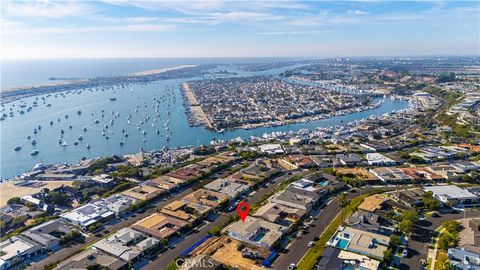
<point>166,99</point>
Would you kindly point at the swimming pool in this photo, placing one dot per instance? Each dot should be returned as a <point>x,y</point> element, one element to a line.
<point>342,243</point>
<point>259,237</point>
<point>324,184</point>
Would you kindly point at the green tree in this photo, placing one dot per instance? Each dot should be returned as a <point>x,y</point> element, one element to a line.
<point>448,240</point>
<point>20,220</point>
<point>58,198</point>
<point>452,226</point>
<point>215,231</point>
<point>14,200</point>
<point>395,241</point>
<point>429,202</point>
<point>387,257</point>
<point>406,226</point>
<point>343,202</point>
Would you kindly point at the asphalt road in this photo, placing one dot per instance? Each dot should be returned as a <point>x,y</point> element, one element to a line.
<point>420,239</point>
<point>115,225</point>
<point>299,247</point>
<point>167,257</point>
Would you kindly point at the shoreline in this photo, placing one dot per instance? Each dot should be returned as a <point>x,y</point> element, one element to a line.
<point>160,70</point>
<point>195,113</point>
<point>14,94</point>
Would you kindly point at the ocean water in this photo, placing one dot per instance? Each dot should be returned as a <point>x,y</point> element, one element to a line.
<point>163,97</point>
<point>20,73</point>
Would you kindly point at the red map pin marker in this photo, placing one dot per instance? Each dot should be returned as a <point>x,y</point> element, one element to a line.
<point>242,210</point>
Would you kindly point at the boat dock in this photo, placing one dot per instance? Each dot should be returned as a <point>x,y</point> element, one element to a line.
<point>196,115</point>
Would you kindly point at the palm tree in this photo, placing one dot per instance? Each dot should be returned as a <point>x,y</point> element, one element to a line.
<point>343,202</point>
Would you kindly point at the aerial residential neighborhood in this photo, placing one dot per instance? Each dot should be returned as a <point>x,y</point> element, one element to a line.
<point>239,135</point>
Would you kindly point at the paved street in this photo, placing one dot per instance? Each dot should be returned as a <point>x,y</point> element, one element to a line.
<point>165,258</point>
<point>299,247</point>
<point>420,239</point>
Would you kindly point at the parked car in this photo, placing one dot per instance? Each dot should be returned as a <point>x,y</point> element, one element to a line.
<point>292,266</point>
<point>311,244</point>
<point>405,253</point>
<point>435,214</point>
<point>316,238</point>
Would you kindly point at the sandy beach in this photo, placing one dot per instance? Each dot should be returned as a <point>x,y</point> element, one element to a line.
<point>160,70</point>
<point>9,190</point>
<point>196,110</point>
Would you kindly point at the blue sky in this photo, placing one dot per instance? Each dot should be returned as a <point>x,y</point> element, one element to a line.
<point>130,28</point>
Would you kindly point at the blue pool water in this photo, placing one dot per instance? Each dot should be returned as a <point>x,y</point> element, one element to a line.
<point>342,243</point>
<point>259,237</point>
<point>324,184</point>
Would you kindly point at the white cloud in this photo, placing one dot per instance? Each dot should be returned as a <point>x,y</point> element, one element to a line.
<point>92,29</point>
<point>273,33</point>
<point>143,19</point>
<point>47,9</point>
<point>358,12</point>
